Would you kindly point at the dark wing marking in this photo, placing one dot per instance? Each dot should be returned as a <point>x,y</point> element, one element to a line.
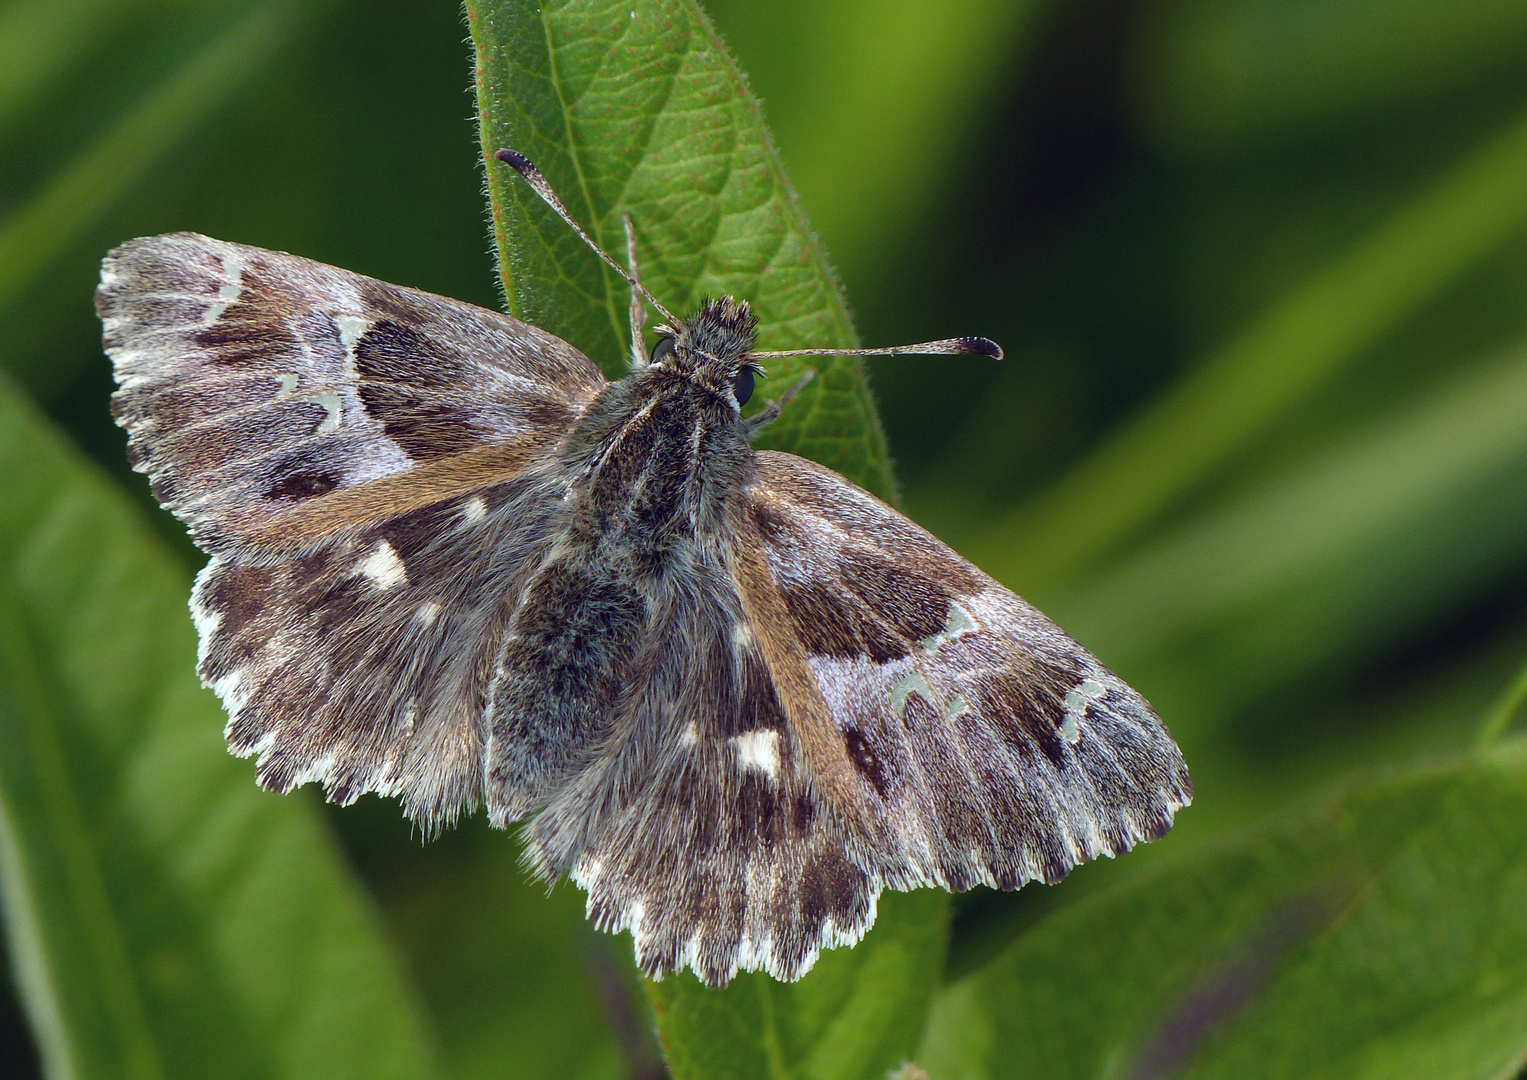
<point>989,747</point>
<point>363,462</point>
<point>365,664</point>
<point>696,825</point>
<point>252,382</point>
<point>829,701</point>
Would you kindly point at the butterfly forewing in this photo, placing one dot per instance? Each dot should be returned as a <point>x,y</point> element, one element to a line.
<point>252,381</point>
<point>992,748</point>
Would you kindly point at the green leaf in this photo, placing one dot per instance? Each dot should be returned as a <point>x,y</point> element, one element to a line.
<point>167,918</point>
<point>856,1014</point>
<point>54,217</point>
<point>1503,710</point>
<point>1368,535</point>
<point>1251,384</point>
<point>1379,934</point>
<point>636,108</point>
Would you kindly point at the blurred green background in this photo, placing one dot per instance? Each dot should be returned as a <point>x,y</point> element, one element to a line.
<point>1260,268</point>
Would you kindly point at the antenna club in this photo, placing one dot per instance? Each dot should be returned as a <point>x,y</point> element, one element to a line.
<point>980,346</point>
<point>515,160</point>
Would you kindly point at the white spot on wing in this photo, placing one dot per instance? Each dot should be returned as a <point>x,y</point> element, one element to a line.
<point>958,706</point>
<point>330,401</point>
<point>690,735</point>
<point>758,750</point>
<point>1077,699</point>
<point>474,510</point>
<point>957,624</point>
<point>910,683</point>
<point>351,329</point>
<point>288,385</point>
<point>742,635</point>
<point>383,567</point>
<point>428,612</point>
<point>233,266</point>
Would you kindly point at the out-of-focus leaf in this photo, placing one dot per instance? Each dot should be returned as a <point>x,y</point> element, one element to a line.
<point>37,231</point>
<point>515,979</point>
<point>1253,382</point>
<point>38,41</point>
<point>854,1017</point>
<point>1504,709</point>
<point>872,102</point>
<point>636,108</point>
<point>1379,934</point>
<point>1230,73</point>
<point>1344,550</point>
<point>167,918</point>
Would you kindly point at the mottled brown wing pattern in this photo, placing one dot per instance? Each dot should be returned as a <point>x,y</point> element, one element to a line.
<point>366,465</point>
<point>950,735</point>
<point>365,665</point>
<point>989,746</point>
<point>698,825</point>
<point>252,382</point>
<point>740,695</point>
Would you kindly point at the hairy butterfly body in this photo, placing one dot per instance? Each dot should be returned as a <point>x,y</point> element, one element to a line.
<point>735,695</point>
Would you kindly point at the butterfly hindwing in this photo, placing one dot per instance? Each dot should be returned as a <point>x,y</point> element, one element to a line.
<point>697,826</point>
<point>950,735</point>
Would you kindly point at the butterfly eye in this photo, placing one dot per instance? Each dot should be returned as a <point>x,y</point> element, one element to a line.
<point>662,350</point>
<point>742,386</point>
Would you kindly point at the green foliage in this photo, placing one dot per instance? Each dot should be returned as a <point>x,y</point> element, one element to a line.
<point>1381,933</point>
<point>857,1014</point>
<point>1260,445</point>
<point>165,917</point>
<point>638,110</point>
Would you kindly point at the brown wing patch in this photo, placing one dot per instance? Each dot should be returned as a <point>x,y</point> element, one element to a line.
<point>699,825</point>
<point>253,381</point>
<point>871,591</point>
<point>985,746</point>
<point>323,512</point>
<point>363,664</point>
<point>811,722</point>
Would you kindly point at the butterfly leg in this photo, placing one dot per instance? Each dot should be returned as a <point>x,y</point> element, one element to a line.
<point>771,411</point>
<point>638,314</point>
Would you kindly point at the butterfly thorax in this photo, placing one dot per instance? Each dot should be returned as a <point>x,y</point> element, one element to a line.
<point>657,457</point>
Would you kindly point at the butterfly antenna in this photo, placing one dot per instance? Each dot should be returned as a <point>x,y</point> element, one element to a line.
<point>522,165</point>
<point>955,346</point>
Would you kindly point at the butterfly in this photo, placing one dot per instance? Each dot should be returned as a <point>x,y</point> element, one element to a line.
<point>732,695</point>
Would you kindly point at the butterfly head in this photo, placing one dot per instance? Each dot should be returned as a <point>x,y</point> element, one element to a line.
<point>714,348</point>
